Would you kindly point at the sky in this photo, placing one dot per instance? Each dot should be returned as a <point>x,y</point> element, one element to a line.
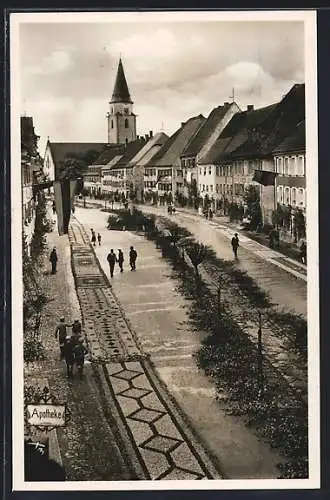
<point>174,71</point>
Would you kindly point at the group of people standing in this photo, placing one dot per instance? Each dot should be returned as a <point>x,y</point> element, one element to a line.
<point>72,348</point>
<point>94,237</point>
<point>112,259</point>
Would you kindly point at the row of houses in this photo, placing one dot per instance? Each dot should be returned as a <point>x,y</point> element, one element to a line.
<point>31,173</point>
<point>209,159</point>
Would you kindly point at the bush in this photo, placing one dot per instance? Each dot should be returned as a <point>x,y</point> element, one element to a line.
<point>33,350</point>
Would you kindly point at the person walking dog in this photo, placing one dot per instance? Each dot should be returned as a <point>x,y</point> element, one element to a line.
<point>111,258</point>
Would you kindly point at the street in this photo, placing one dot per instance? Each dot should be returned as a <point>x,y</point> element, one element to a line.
<point>156,312</point>
<point>284,289</point>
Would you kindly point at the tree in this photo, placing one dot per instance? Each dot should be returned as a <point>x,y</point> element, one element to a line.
<point>196,253</point>
<point>252,201</point>
<point>169,197</point>
<point>299,224</point>
<point>174,233</point>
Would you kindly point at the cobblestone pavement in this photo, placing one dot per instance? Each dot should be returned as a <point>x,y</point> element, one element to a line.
<point>88,447</point>
<point>164,445</point>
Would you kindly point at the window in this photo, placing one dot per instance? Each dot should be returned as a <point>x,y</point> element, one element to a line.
<point>286,166</point>
<point>300,166</point>
<point>293,196</point>
<point>280,194</point>
<point>126,122</point>
<point>203,187</point>
<point>210,170</point>
<point>207,187</point>
<point>211,188</point>
<point>200,171</point>
<point>287,196</point>
<point>217,188</point>
<point>280,166</point>
<point>111,123</point>
<point>301,197</point>
<point>204,170</point>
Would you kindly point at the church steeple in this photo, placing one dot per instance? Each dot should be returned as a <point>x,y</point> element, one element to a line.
<point>120,91</point>
<point>121,119</point>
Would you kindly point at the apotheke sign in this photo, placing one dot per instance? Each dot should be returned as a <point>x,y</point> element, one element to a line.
<point>46,415</point>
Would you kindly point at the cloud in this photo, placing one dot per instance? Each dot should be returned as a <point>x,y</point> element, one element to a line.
<point>174,71</point>
<point>57,62</point>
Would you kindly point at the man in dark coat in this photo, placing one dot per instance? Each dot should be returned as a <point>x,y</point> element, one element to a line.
<point>53,260</point>
<point>68,351</point>
<point>79,352</point>
<point>235,244</point>
<point>132,258</point>
<point>60,333</point>
<point>112,261</point>
<point>120,260</point>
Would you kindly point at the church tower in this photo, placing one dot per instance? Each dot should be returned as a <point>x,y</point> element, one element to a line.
<point>121,119</point>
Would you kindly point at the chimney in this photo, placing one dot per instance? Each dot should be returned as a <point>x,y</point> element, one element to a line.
<point>137,137</point>
<point>250,107</point>
<point>150,134</point>
<point>226,103</point>
<point>146,137</point>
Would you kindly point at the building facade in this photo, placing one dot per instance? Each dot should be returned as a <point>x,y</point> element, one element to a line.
<point>31,173</point>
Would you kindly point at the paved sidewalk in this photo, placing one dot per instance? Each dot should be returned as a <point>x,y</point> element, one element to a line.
<point>87,447</point>
<point>156,313</point>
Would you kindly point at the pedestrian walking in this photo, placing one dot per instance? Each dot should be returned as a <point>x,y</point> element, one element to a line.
<point>53,260</point>
<point>235,244</point>
<point>54,208</point>
<point>303,253</point>
<point>210,214</point>
<point>132,258</point>
<point>99,238</point>
<point>111,258</point>
<point>76,328</point>
<point>120,259</point>
<point>60,334</point>
<point>79,352</point>
<point>93,237</point>
<point>68,352</point>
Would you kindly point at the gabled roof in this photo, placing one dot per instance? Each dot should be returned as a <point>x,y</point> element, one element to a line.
<point>170,153</point>
<point>109,152</point>
<point>62,150</point>
<point>295,142</point>
<point>149,150</point>
<point>290,112</point>
<point>120,91</point>
<point>130,150</point>
<point>205,131</point>
<point>242,127</point>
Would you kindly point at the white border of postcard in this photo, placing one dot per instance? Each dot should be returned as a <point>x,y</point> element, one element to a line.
<point>309,19</point>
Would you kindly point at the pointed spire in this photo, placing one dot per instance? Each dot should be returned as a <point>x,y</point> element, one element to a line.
<point>120,91</point>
